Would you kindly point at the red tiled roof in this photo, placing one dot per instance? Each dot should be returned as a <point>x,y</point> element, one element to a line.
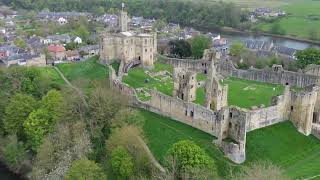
<point>57,48</point>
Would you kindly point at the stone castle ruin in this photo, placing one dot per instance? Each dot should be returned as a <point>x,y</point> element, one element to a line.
<point>229,124</point>
<point>130,48</point>
<point>184,84</point>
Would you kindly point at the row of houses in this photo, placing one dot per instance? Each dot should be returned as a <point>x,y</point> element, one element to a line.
<point>264,48</point>
<point>59,53</point>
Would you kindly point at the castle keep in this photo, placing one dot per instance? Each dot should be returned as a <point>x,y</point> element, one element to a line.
<point>128,47</point>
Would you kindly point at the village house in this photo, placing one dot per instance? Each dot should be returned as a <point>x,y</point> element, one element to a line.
<point>72,55</point>
<point>2,30</point>
<point>77,40</point>
<point>54,16</point>
<point>34,43</point>
<point>89,51</point>
<point>62,21</point>
<point>57,39</point>
<point>57,52</point>
<point>7,50</point>
<point>25,59</point>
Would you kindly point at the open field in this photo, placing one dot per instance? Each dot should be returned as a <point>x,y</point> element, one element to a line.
<point>248,3</point>
<point>245,93</point>
<point>281,144</point>
<point>303,19</point>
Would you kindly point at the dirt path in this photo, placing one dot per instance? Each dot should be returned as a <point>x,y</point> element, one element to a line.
<point>150,155</point>
<point>83,97</point>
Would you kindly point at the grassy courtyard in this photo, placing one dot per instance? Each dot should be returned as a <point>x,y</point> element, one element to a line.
<point>303,18</point>
<point>246,93</point>
<point>281,144</point>
<point>138,78</point>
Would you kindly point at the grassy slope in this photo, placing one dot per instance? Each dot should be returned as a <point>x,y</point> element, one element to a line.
<point>162,133</point>
<point>245,93</point>
<point>88,71</point>
<point>281,144</point>
<point>297,22</point>
<point>52,74</point>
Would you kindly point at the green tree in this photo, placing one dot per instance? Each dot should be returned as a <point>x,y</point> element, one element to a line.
<point>36,127</point>
<point>17,112</point>
<point>85,169</point>
<point>199,44</point>
<point>53,103</point>
<point>127,117</point>
<point>180,48</point>
<point>308,56</point>
<point>236,49</point>
<point>277,29</point>
<point>69,141</point>
<point>20,43</point>
<point>13,152</point>
<point>121,162</point>
<point>100,11</point>
<point>189,155</point>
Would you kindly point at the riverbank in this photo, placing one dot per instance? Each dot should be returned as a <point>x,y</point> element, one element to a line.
<point>247,32</point>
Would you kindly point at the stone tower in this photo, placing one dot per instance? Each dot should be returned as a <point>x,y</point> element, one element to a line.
<point>216,93</point>
<point>184,86</point>
<point>123,20</point>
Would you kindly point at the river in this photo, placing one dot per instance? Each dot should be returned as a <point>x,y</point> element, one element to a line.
<point>5,174</point>
<point>299,45</point>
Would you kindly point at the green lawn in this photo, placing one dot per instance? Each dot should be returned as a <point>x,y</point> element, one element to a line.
<point>281,144</point>
<point>137,76</point>
<point>87,71</point>
<point>303,17</point>
<point>246,93</point>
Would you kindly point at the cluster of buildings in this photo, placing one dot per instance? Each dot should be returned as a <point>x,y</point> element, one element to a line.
<point>32,53</point>
<point>264,12</point>
<point>62,17</point>
<point>263,48</point>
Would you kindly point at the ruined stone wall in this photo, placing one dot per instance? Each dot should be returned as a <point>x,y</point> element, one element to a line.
<point>312,69</point>
<point>226,68</point>
<point>199,65</point>
<point>301,109</point>
<point>186,112</point>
